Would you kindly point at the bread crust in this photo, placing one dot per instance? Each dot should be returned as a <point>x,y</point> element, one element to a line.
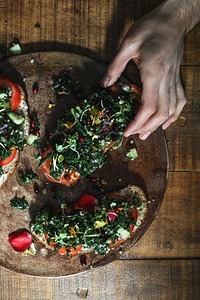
<point>136,192</point>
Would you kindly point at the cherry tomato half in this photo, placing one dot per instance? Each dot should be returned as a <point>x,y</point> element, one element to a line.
<point>15,99</point>
<point>8,160</point>
<point>67,179</point>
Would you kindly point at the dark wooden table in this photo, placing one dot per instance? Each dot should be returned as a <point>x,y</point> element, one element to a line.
<point>165,263</point>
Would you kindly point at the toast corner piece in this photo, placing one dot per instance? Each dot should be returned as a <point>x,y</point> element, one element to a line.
<point>9,170</point>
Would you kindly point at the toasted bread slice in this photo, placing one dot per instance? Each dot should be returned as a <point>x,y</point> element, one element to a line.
<point>48,239</point>
<point>82,138</point>
<point>22,109</point>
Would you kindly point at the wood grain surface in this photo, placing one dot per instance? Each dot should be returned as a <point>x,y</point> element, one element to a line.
<point>165,263</point>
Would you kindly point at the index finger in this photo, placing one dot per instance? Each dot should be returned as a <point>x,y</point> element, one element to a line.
<point>117,66</point>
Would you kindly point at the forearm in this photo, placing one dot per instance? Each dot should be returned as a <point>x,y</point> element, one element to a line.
<point>183,13</point>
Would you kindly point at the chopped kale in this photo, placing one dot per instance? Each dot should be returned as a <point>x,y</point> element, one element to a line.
<point>72,226</point>
<point>83,135</point>
<point>63,85</point>
<point>27,176</point>
<point>19,203</point>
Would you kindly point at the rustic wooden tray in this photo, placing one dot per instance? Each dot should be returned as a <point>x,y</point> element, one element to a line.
<point>149,171</point>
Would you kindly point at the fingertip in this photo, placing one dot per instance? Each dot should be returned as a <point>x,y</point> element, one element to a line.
<point>105,81</point>
<point>145,135</point>
<point>113,73</point>
<point>127,134</point>
<point>165,126</point>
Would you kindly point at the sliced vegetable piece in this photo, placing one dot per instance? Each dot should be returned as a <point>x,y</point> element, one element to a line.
<point>62,250</point>
<point>67,179</point>
<point>31,139</point>
<point>16,118</point>
<point>99,224</point>
<point>112,216</point>
<point>15,99</point>
<point>8,160</point>
<point>46,165</point>
<point>53,244</point>
<point>123,233</point>
<point>15,49</point>
<point>75,251</point>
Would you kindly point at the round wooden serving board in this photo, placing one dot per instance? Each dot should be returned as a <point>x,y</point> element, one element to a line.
<point>148,171</point>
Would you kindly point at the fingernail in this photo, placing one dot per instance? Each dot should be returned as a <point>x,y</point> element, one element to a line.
<point>127,134</point>
<point>105,81</point>
<point>144,136</point>
<point>164,126</point>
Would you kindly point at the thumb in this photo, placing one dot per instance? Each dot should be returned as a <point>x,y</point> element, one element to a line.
<point>115,68</point>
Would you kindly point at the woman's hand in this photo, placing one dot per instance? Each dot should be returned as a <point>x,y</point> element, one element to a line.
<point>155,44</point>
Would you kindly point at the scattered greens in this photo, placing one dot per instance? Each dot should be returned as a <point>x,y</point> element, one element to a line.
<point>19,203</point>
<point>37,25</point>
<point>132,154</point>
<point>28,176</point>
<point>63,85</point>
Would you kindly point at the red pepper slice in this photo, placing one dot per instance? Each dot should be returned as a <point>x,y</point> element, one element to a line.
<point>74,251</point>
<point>53,244</point>
<point>6,161</point>
<point>62,250</point>
<point>15,99</point>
